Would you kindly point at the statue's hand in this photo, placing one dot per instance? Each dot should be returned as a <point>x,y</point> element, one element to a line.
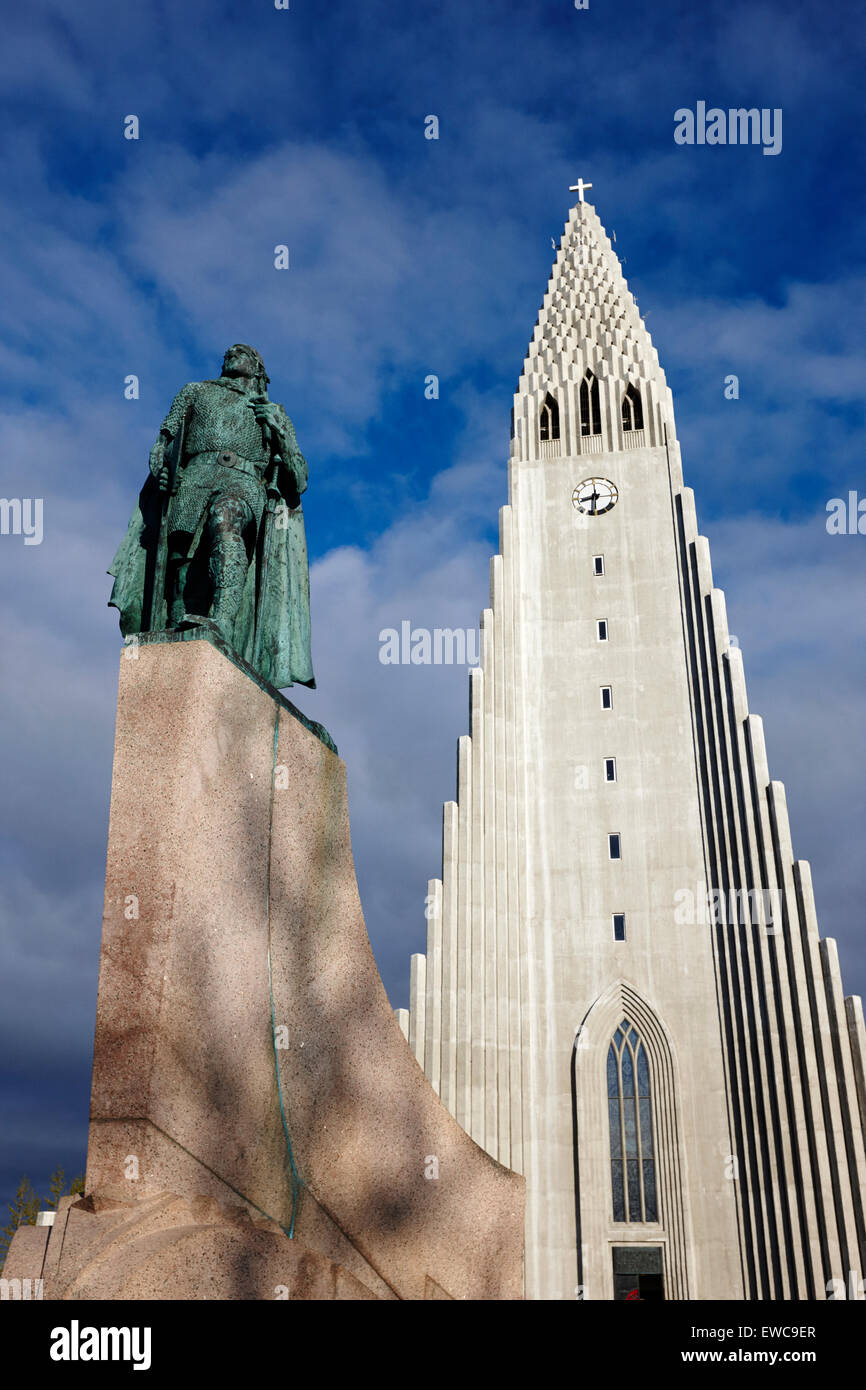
<point>163,477</point>
<point>266,412</point>
<point>157,457</point>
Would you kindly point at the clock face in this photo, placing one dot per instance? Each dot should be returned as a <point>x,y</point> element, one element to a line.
<point>594,496</point>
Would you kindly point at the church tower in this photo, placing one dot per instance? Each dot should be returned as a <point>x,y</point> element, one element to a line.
<point>625,996</point>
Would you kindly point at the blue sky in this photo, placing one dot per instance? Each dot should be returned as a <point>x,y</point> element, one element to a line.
<point>408,256</point>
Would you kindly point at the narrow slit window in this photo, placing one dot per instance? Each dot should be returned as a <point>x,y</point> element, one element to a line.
<point>606,697</point>
<point>598,564</point>
<point>610,769</point>
<point>619,926</point>
<point>614,847</point>
<point>602,629</point>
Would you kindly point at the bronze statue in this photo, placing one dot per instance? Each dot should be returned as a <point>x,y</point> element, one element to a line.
<point>217,538</point>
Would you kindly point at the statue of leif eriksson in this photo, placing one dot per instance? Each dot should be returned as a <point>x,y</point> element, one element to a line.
<point>217,539</point>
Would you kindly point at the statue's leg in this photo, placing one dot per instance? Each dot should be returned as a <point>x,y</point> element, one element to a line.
<point>228,519</point>
<point>175,576</point>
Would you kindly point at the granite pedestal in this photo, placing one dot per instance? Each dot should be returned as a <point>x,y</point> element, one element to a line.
<point>258,1122</point>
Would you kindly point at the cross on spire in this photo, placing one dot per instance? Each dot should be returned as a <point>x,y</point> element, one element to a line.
<point>578,189</point>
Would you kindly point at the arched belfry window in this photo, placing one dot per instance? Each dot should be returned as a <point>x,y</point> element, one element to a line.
<point>590,406</point>
<point>629,1103</point>
<point>632,409</point>
<point>549,419</point>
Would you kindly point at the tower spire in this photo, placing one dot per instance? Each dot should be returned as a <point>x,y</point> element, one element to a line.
<point>589,323</point>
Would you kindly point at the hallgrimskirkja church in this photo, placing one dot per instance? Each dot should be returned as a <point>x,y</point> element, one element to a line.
<point>625,996</point>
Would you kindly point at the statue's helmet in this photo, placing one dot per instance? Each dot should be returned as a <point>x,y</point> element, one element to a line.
<point>261,375</point>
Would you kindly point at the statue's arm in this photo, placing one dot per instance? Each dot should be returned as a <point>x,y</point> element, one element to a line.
<point>293,460</point>
<point>169,428</point>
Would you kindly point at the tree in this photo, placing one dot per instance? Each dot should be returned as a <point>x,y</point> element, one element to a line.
<point>28,1204</point>
<point>24,1212</point>
<point>57,1188</point>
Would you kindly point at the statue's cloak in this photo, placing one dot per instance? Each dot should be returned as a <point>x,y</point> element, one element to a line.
<point>284,653</point>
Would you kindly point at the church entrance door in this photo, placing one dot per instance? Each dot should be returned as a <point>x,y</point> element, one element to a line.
<point>637,1273</point>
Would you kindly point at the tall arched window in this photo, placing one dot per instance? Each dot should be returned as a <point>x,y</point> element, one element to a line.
<point>629,1103</point>
<point>632,409</point>
<point>590,407</point>
<point>549,419</point>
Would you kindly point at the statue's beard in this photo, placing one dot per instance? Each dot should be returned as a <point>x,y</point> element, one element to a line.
<point>249,383</point>
<point>256,384</point>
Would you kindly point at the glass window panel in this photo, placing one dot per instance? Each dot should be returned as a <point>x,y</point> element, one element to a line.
<point>627,1073</point>
<point>630,1128</point>
<point>637,1259</point>
<point>646,1128</point>
<point>615,1135</point>
<point>643,1086</point>
<point>634,1212</point>
<point>618,1193</point>
<point>632,1037</point>
<point>649,1191</point>
<point>612,1073</point>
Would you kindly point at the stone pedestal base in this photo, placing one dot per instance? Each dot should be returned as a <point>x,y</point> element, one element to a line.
<point>168,1247</point>
<point>255,1106</point>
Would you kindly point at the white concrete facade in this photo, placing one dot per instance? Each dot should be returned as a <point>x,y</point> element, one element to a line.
<point>756,1061</point>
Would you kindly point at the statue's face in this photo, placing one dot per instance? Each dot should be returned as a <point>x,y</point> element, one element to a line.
<point>239,361</point>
